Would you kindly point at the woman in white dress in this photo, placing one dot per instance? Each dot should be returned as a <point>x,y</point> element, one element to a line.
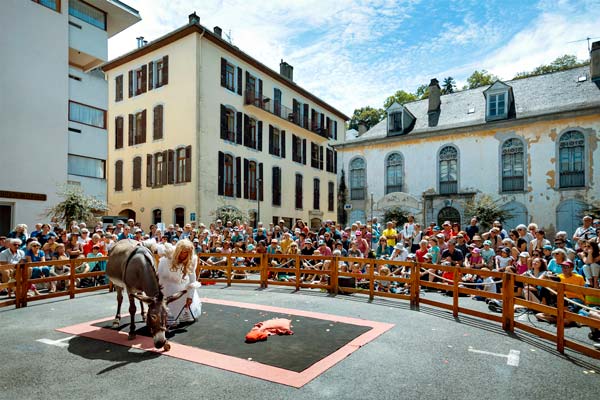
<point>177,271</point>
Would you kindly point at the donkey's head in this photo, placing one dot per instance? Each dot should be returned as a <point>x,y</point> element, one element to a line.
<point>156,319</point>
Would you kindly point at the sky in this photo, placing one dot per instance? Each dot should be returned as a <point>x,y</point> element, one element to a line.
<point>357,53</point>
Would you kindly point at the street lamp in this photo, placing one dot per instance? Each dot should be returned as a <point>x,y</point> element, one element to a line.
<point>371,207</point>
<point>258,183</point>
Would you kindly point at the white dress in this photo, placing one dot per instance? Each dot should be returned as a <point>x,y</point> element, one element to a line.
<point>173,282</point>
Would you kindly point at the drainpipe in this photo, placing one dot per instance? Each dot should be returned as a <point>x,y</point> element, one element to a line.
<point>197,130</point>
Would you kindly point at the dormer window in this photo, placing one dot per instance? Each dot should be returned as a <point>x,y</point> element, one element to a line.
<point>499,100</point>
<point>497,105</point>
<point>400,120</point>
<point>396,122</point>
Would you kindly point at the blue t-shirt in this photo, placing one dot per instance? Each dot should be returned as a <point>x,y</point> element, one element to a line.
<point>35,258</point>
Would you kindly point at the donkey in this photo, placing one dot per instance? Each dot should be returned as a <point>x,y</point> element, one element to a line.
<point>131,267</point>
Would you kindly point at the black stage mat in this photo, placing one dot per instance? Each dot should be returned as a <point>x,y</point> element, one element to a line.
<point>222,329</point>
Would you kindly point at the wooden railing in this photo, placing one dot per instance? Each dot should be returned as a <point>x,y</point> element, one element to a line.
<point>325,273</point>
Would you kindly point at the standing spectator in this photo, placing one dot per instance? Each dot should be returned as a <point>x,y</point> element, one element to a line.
<point>390,233</point>
<point>472,229</point>
<point>586,231</point>
<point>408,232</point>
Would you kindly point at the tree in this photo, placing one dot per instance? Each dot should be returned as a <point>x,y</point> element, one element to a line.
<point>228,214</point>
<point>400,97</point>
<point>342,196</point>
<point>480,78</point>
<point>448,85</point>
<point>76,206</point>
<point>487,211</point>
<point>559,64</point>
<point>397,214</point>
<point>422,92</point>
<point>369,115</point>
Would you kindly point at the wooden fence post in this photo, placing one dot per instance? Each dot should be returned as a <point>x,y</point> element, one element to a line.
<point>560,318</point>
<point>333,276</point>
<point>264,275</point>
<point>72,279</point>
<point>18,287</point>
<point>228,270</point>
<point>415,286</point>
<point>508,301</point>
<point>371,281</point>
<point>456,279</point>
<point>297,272</point>
<point>22,270</point>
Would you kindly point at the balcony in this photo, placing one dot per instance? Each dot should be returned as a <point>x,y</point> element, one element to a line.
<point>264,103</point>
<point>449,187</point>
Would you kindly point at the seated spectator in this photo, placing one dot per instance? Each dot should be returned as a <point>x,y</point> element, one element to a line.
<point>11,255</point>
<point>474,259</point>
<point>73,247</point>
<point>591,260</point>
<point>97,265</point>
<point>538,270</point>
<point>453,255</point>
<point>35,254</point>
<point>559,256</point>
<point>503,260</point>
<point>488,254</point>
<point>549,298</point>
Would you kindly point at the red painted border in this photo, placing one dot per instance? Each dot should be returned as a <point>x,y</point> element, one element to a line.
<point>241,366</point>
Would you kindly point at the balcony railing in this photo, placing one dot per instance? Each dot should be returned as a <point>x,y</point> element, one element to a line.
<point>449,187</point>
<point>512,183</point>
<point>572,179</point>
<point>283,112</point>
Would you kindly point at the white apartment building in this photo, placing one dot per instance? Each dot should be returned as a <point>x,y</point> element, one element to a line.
<point>53,101</point>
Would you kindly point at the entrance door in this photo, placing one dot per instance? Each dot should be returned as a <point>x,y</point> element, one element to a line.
<point>5,219</point>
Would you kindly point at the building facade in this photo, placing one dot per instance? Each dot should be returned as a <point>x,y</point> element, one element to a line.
<point>197,126</point>
<point>531,144</point>
<point>53,101</point>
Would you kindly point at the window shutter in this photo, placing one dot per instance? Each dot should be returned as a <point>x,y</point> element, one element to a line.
<point>131,125</point>
<point>305,121</point>
<point>223,121</point>
<point>247,131</point>
<point>150,75</point>
<point>271,140</point>
<point>119,133</point>
<point>246,165</point>
<point>239,86</point>
<point>223,74</point>
<point>335,130</point>
<point>259,135</point>
<point>320,157</point>
<point>130,83</point>
<point>260,182</point>
<point>329,133</point>
<point>171,167</point>
<point>143,136</point>
<point>156,123</point>
<point>335,161</point>
<point>282,144</point>
<point>238,176</point>
<point>323,124</point>
<point>165,168</point>
<point>238,128</point>
<point>188,164</point>
<point>294,147</point>
<point>260,91</point>
<point>221,178</point>
<point>144,78</point>
<point>137,173</point>
<point>313,119</point>
<point>119,176</point>
<point>296,111</point>
<point>304,151</point>
<point>119,88</point>
<point>148,170</point>
<point>165,77</point>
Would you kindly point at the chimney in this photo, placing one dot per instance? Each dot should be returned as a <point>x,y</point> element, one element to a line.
<point>286,70</point>
<point>194,18</point>
<point>218,31</point>
<point>362,127</point>
<point>140,42</point>
<point>595,63</point>
<point>434,96</point>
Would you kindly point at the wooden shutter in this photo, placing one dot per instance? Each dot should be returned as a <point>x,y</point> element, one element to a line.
<point>144,78</point>
<point>221,178</point>
<point>143,136</point>
<point>119,176</point>
<point>150,75</point>
<point>313,119</point>
<point>247,131</point>
<point>148,170</point>
<point>305,121</point>
<point>238,176</point>
<point>296,111</point>
<point>119,133</point>
<point>188,164</point>
<point>323,127</point>
<point>335,130</point>
<point>165,168</point>
<point>238,128</point>
<point>260,90</point>
<point>223,121</point>
<point>223,72</point>
<point>239,81</point>
<point>130,83</point>
<point>246,170</point>
<point>131,126</point>
<point>304,151</point>
<point>137,172</point>
<point>271,140</point>
<point>320,157</point>
<point>171,167</point>
<point>119,88</point>
<point>335,161</point>
<point>260,182</point>
<point>157,122</point>
<point>248,88</point>
<point>282,144</point>
<point>294,148</point>
<point>165,77</point>
<point>259,136</point>
<point>328,126</point>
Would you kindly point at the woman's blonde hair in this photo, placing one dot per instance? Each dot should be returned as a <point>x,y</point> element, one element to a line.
<point>182,245</point>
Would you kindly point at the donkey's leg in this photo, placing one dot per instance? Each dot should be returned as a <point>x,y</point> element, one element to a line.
<point>117,320</point>
<point>132,310</point>
<point>143,311</point>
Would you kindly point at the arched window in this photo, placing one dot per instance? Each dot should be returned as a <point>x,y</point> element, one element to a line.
<point>179,216</point>
<point>357,179</point>
<point>448,214</point>
<point>394,171</point>
<point>448,172</point>
<point>513,166</point>
<point>571,159</point>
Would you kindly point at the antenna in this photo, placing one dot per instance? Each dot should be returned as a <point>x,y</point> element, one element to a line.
<point>588,41</point>
<point>228,37</point>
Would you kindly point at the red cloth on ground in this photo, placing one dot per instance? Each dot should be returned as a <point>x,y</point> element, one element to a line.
<point>275,326</point>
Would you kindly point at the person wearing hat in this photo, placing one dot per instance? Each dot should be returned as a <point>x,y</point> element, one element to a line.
<point>307,248</point>
<point>569,277</point>
<point>586,231</point>
<point>488,253</point>
<point>474,258</point>
<point>522,264</point>
<point>447,230</point>
<point>324,249</point>
<point>399,253</point>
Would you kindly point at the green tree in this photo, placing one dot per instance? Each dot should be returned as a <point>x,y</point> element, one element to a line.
<point>228,214</point>
<point>422,92</point>
<point>76,206</point>
<point>448,85</point>
<point>486,210</point>
<point>369,115</point>
<point>400,97</point>
<point>341,197</point>
<point>480,78</point>
<point>559,64</point>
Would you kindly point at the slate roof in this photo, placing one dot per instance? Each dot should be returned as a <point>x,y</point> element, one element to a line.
<point>534,96</point>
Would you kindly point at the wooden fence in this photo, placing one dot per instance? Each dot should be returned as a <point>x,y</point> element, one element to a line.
<point>318,272</point>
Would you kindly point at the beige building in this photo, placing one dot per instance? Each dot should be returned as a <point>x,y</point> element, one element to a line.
<point>197,125</point>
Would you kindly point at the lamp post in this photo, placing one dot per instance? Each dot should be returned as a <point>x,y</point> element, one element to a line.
<point>258,183</point>
<point>371,207</point>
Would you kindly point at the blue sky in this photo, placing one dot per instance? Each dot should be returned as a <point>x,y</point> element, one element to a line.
<point>356,53</point>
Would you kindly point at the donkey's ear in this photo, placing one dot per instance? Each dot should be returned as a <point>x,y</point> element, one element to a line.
<point>176,296</point>
<point>143,297</point>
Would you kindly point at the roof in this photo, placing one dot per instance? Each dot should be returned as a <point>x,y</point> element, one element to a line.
<point>197,28</point>
<point>534,96</point>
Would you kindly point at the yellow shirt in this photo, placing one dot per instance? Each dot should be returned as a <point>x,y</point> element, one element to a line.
<point>574,279</point>
<point>388,233</point>
<point>285,245</point>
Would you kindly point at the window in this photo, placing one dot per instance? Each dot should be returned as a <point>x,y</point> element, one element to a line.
<point>85,166</point>
<point>571,148</point>
<point>159,72</point>
<point>231,76</point>
<point>156,216</point>
<point>88,13</point>
<point>160,169</point>
<point>277,102</point>
<point>179,216</point>
<point>512,166</point>
<point>330,196</point>
<point>228,124</point>
<point>298,149</point>
<point>51,4</point>
<point>316,194</point>
<point>251,180</point>
<point>137,173</point>
<point>119,88</point>
<point>394,169</point>
<point>448,172</point>
<point>314,155</point>
<point>329,161</point>
<point>497,105</point>
<point>138,81</point>
<point>118,176</point>
<point>158,122</point>
<point>228,175</point>
<point>181,161</point>
<point>137,128</point>
<point>298,191</point>
<point>357,179</point>
<point>395,121</point>
<point>87,115</point>
<point>276,142</point>
<point>119,122</point>
<point>276,186</point>
<point>250,133</point>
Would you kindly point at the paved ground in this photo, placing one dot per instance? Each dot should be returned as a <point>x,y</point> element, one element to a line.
<point>427,354</point>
